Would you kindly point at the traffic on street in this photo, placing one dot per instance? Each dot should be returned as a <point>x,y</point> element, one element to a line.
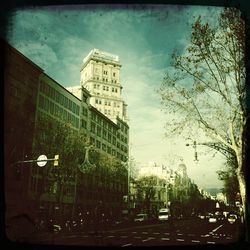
<point>190,231</point>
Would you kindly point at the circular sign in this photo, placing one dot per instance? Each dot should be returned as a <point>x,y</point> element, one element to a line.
<point>42,160</point>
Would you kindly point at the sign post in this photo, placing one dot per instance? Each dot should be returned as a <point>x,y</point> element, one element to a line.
<point>42,160</point>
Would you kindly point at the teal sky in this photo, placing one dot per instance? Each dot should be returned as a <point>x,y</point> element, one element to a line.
<point>57,39</point>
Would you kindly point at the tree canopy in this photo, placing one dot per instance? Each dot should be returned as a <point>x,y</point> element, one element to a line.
<point>206,87</point>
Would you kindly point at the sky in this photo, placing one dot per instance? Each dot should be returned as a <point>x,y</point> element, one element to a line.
<point>144,37</point>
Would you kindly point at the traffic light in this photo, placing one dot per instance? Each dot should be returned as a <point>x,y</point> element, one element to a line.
<point>56,160</point>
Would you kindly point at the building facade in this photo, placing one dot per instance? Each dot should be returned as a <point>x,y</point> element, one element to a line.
<point>28,88</point>
<point>100,75</point>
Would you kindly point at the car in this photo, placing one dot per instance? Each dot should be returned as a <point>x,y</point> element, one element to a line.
<point>212,219</point>
<point>163,214</point>
<point>201,216</point>
<point>232,218</point>
<point>56,228</point>
<point>141,217</point>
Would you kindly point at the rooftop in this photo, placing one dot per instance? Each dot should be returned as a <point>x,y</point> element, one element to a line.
<point>101,56</point>
<point>98,54</point>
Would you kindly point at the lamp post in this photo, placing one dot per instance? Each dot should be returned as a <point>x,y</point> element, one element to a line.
<point>195,151</point>
<point>86,166</point>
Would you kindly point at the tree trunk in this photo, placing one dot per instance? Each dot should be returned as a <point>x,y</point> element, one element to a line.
<point>242,187</point>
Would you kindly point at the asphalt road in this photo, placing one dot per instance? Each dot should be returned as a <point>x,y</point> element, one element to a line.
<point>182,232</point>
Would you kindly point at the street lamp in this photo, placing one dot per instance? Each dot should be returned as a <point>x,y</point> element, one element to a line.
<point>86,166</point>
<point>195,151</point>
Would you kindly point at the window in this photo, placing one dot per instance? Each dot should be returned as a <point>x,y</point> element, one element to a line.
<point>98,144</point>
<point>41,101</point>
<point>84,123</point>
<point>52,108</point>
<point>113,73</point>
<point>92,127</point>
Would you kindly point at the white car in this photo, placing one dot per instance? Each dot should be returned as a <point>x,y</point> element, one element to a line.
<point>212,219</point>
<point>141,217</point>
<point>163,214</point>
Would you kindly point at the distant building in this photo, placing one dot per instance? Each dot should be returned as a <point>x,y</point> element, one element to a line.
<point>100,75</point>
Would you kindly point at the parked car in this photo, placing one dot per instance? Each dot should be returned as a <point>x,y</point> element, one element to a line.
<point>212,219</point>
<point>201,216</point>
<point>56,228</point>
<point>141,218</point>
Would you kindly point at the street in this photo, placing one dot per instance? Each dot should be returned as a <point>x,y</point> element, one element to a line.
<point>181,232</point>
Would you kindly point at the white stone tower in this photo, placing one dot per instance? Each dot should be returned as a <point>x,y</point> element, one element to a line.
<point>100,75</point>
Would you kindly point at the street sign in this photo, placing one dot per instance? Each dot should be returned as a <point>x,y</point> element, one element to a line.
<point>56,160</point>
<point>42,160</point>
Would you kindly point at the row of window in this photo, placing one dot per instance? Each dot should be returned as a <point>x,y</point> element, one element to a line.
<point>105,72</point>
<point>103,122</point>
<point>111,128</point>
<point>103,79</point>
<point>106,88</point>
<point>107,103</point>
<point>108,149</point>
<point>58,97</point>
<point>108,137</point>
<point>57,111</point>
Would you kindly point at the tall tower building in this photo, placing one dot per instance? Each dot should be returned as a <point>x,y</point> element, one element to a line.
<point>100,75</point>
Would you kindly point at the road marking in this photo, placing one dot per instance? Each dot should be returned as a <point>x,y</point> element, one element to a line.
<point>229,238</point>
<point>156,233</point>
<point>210,242</point>
<point>180,239</point>
<point>203,236</point>
<point>195,241</point>
<point>137,237</point>
<point>216,229</point>
<point>179,234</point>
<point>150,238</point>
<point>123,236</point>
<point>110,236</point>
<point>165,239</point>
<point>144,232</point>
<point>129,244</point>
<point>134,232</point>
<point>166,233</point>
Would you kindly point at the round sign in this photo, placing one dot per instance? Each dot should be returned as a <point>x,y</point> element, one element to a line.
<point>42,160</point>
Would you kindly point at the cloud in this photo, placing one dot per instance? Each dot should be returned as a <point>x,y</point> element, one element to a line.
<point>36,52</point>
<point>58,39</point>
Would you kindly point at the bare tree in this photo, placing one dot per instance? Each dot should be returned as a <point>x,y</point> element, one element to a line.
<point>206,88</point>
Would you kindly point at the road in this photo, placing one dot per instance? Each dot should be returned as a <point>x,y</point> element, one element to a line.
<point>182,232</point>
